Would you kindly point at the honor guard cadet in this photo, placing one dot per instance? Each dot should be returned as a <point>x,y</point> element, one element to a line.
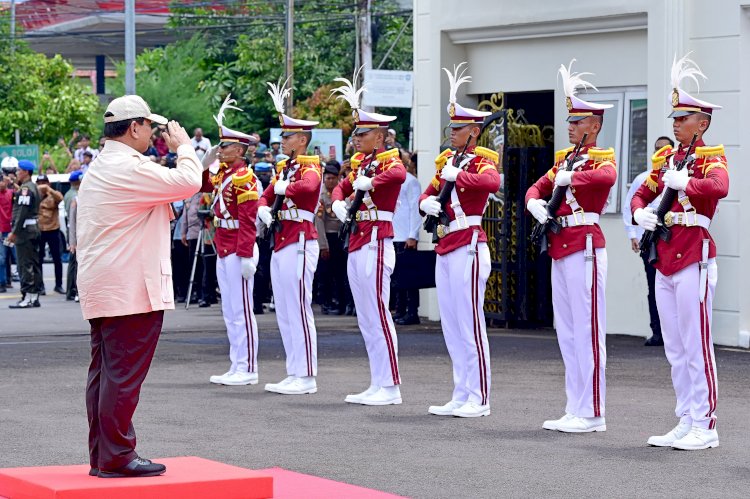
<point>463,259</point>
<point>287,209</point>
<point>585,174</point>
<point>236,191</point>
<point>25,235</point>
<point>692,179</point>
<point>368,225</point>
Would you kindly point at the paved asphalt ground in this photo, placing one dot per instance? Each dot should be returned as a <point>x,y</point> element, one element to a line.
<point>399,449</point>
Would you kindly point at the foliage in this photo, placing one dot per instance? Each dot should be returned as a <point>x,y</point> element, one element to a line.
<point>40,96</point>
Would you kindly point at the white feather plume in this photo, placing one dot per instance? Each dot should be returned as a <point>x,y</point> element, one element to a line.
<point>279,93</point>
<point>685,68</point>
<point>573,81</point>
<point>348,91</point>
<point>456,79</point>
<point>228,104</point>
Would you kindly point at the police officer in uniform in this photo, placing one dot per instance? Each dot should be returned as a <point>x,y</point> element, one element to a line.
<point>371,252</point>
<point>463,261</point>
<point>579,258</point>
<point>234,206</point>
<point>686,271</point>
<point>25,234</point>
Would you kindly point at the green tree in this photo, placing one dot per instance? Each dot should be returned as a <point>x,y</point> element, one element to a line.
<point>39,95</point>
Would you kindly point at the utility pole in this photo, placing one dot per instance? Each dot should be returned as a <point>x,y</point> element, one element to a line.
<point>130,47</point>
<point>290,53</point>
<point>365,34</point>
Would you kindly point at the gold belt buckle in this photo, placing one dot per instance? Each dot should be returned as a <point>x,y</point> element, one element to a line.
<point>358,216</point>
<point>442,231</point>
<point>669,219</point>
<point>580,212</point>
<point>216,221</point>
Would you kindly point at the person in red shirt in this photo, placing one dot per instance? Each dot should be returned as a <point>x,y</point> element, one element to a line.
<point>463,262</point>
<point>371,252</point>
<point>579,258</point>
<point>6,211</point>
<point>686,271</point>
<point>295,248</point>
<point>235,203</point>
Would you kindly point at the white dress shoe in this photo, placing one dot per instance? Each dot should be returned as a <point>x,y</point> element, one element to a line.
<point>552,424</point>
<point>240,379</point>
<point>274,387</point>
<point>472,410</point>
<point>298,386</point>
<point>582,425</point>
<point>387,395</point>
<point>447,409</point>
<point>217,379</point>
<point>667,440</point>
<point>357,398</point>
<point>697,439</point>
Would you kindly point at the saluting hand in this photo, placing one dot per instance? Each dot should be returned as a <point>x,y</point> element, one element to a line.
<point>175,136</point>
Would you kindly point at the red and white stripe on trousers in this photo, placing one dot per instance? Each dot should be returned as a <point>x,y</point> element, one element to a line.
<point>478,328</point>
<point>303,313</point>
<point>595,340</point>
<point>708,361</point>
<point>249,332</point>
<point>383,311</point>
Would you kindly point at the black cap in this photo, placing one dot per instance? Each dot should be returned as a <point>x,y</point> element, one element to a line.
<point>42,179</point>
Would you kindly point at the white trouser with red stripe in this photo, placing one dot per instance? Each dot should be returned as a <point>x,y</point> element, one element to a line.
<point>686,329</point>
<point>371,290</point>
<point>293,300</point>
<point>580,321</point>
<point>461,301</point>
<point>237,307</point>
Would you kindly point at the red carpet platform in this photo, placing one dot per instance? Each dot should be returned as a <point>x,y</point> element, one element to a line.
<point>186,478</point>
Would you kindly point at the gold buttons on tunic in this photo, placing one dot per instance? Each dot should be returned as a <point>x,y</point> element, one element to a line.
<point>361,233</point>
<point>283,238</point>
<point>462,189</point>
<point>679,255</point>
<point>565,246</point>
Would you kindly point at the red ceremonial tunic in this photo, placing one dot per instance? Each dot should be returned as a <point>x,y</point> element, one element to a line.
<point>390,173</point>
<point>590,185</point>
<point>240,195</point>
<point>708,184</point>
<point>303,191</point>
<point>473,187</point>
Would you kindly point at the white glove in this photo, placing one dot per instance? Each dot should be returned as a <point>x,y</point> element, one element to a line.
<point>563,178</point>
<point>538,209</point>
<point>449,173</point>
<point>264,214</point>
<point>280,186</point>
<point>339,209</point>
<point>676,179</point>
<point>430,205</point>
<point>248,268</point>
<point>646,218</point>
<point>210,156</point>
<point>362,183</point>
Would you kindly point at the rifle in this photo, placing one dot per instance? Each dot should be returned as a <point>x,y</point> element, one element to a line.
<point>278,201</point>
<point>433,222</point>
<point>539,232</point>
<point>649,238</point>
<point>350,224</point>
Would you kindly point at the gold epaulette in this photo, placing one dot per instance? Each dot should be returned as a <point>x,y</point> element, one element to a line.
<point>435,183</point>
<point>356,160</point>
<point>280,165</point>
<point>251,195</point>
<point>308,160</point>
<point>442,158</point>
<point>560,155</point>
<point>488,154</point>
<point>660,157</point>
<point>709,151</point>
<point>601,154</point>
<point>352,176</point>
<point>386,155</point>
<point>243,176</point>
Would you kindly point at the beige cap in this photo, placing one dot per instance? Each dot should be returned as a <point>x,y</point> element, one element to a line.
<point>130,107</point>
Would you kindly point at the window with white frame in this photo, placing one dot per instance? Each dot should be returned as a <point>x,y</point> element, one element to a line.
<point>624,129</point>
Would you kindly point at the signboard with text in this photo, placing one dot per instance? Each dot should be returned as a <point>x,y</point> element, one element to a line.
<point>387,88</point>
<point>23,151</point>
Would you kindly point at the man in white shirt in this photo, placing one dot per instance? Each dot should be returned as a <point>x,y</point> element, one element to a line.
<point>635,233</point>
<point>84,146</point>
<point>200,143</point>
<point>406,222</point>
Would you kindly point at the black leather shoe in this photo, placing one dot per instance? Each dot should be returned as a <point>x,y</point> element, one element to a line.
<point>398,315</point>
<point>258,310</point>
<point>136,468</point>
<point>408,320</point>
<point>2,288</point>
<point>180,299</point>
<point>203,304</point>
<point>59,290</point>
<point>655,341</point>
<point>94,472</point>
<point>350,310</point>
<point>43,292</point>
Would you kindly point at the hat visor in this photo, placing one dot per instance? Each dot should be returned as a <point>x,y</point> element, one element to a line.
<point>362,130</point>
<point>681,113</point>
<point>288,134</point>
<point>229,143</point>
<point>573,119</point>
<point>461,125</point>
<point>157,118</point>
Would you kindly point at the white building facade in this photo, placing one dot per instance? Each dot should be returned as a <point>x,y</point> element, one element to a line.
<point>517,46</point>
